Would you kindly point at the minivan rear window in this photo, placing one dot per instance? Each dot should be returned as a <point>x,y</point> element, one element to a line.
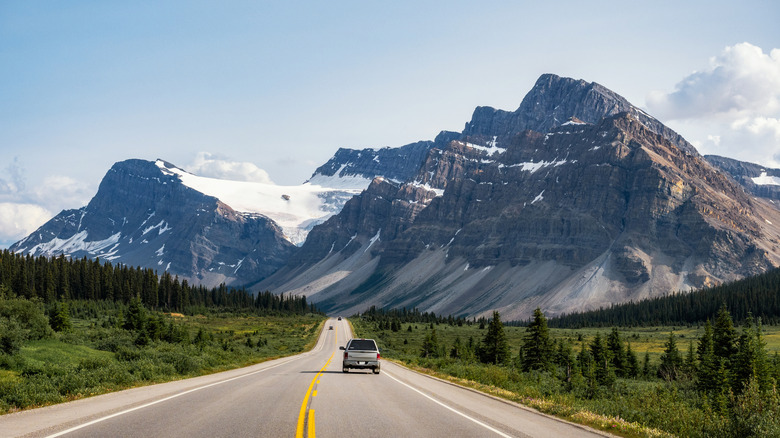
<point>362,344</point>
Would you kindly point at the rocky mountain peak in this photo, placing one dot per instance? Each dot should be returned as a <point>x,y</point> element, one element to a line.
<point>555,100</point>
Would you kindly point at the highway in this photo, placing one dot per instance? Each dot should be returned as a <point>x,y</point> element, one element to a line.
<point>300,396</point>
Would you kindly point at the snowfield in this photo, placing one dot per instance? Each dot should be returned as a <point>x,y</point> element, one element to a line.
<point>766,180</point>
<point>296,209</point>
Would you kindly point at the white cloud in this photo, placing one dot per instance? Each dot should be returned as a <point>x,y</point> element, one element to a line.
<point>19,220</point>
<point>13,180</point>
<point>740,82</point>
<point>25,207</point>
<point>58,192</point>
<point>731,108</point>
<point>208,165</point>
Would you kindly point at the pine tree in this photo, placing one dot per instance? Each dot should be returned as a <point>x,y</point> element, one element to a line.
<point>632,362</point>
<point>605,374</point>
<point>136,316</point>
<point>430,345</point>
<point>457,351</point>
<point>724,335</point>
<point>59,319</point>
<point>646,372</point>
<point>615,347</point>
<point>671,360</point>
<point>689,364</point>
<point>494,348</point>
<point>564,358</point>
<point>750,361</point>
<point>587,369</point>
<point>708,364</point>
<point>537,346</point>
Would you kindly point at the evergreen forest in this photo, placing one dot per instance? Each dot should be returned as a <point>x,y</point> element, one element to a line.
<point>757,296</point>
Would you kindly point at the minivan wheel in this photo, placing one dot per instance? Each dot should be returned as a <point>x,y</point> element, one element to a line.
<point>376,370</point>
<point>345,370</point>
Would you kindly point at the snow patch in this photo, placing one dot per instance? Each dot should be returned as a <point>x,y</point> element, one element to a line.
<point>766,180</point>
<point>77,242</point>
<point>373,239</point>
<point>538,197</point>
<point>161,227</point>
<point>490,149</point>
<point>426,186</point>
<point>534,166</point>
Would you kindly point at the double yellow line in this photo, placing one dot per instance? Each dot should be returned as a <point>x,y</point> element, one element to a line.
<point>305,404</point>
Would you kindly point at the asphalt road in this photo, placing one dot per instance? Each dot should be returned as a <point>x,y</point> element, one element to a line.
<point>304,395</point>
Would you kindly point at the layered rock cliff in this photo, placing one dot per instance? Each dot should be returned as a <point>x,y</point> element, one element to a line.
<point>576,200</point>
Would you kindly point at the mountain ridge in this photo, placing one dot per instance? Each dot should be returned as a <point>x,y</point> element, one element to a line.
<point>577,199</point>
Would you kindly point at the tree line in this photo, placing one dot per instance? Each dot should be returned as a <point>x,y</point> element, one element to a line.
<point>63,279</point>
<point>392,319</point>
<point>757,296</point>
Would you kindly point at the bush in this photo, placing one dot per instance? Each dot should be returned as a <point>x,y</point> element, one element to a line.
<point>11,335</point>
<point>755,414</point>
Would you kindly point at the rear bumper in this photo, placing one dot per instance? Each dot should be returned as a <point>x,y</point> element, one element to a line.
<point>373,364</point>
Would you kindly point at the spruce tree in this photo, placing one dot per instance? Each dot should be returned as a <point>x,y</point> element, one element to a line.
<point>59,319</point>
<point>671,360</point>
<point>494,348</point>
<point>646,372</point>
<point>632,362</point>
<point>457,349</point>
<point>724,335</point>
<point>615,347</point>
<point>430,345</point>
<point>602,361</point>
<point>136,316</point>
<point>537,347</point>
<point>750,361</point>
<point>708,364</point>
<point>689,364</point>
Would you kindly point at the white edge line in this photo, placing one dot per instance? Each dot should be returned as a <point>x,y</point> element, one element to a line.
<point>486,426</point>
<point>81,426</point>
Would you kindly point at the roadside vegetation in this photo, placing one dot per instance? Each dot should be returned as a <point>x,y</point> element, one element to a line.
<point>709,379</point>
<point>55,349</point>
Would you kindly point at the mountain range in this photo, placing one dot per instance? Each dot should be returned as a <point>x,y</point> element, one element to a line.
<point>575,200</point>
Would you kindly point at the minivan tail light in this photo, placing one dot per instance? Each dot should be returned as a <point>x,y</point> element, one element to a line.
<point>377,356</point>
<point>346,355</point>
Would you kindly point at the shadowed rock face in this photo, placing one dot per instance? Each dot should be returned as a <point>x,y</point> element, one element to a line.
<point>614,209</point>
<point>744,174</point>
<point>143,217</point>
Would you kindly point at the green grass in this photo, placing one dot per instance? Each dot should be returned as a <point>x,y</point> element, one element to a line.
<point>97,356</point>
<point>631,408</point>
<point>49,351</point>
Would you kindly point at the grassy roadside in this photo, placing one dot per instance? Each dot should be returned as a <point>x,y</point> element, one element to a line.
<point>97,355</point>
<point>646,407</point>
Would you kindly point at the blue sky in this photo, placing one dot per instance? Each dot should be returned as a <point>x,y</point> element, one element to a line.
<point>269,90</point>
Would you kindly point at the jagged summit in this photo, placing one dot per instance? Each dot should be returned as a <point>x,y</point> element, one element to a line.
<point>553,100</point>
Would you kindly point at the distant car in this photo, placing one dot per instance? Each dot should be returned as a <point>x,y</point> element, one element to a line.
<point>362,354</point>
<point>339,318</point>
<point>330,328</point>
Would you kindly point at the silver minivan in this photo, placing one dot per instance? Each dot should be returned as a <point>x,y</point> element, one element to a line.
<point>361,353</point>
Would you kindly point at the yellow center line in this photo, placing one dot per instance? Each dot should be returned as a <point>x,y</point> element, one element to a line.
<point>311,423</point>
<point>304,405</point>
